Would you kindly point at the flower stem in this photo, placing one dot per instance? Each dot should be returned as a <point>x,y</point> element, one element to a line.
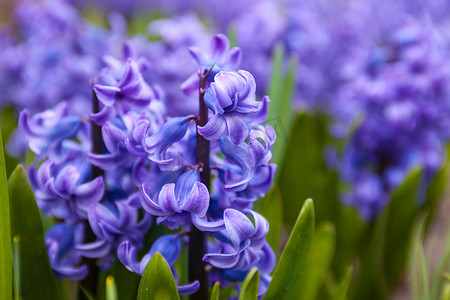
<point>90,282</point>
<point>197,237</point>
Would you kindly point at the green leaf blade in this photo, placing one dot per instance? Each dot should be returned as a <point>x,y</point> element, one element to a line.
<point>215,293</point>
<point>5,232</point>
<point>37,278</point>
<point>157,282</point>
<point>294,255</point>
<point>249,289</point>
<point>272,209</point>
<point>317,263</point>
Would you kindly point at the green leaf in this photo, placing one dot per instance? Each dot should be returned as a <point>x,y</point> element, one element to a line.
<point>16,263</point>
<point>111,289</point>
<point>281,114</point>
<point>215,293</point>
<point>402,210</point>
<point>249,289</point>
<point>37,279</point>
<point>445,295</point>
<point>438,274</point>
<point>272,209</point>
<point>341,291</point>
<point>157,281</point>
<point>317,263</point>
<point>6,289</point>
<point>294,255</point>
<point>8,123</point>
<point>418,269</point>
<point>305,173</point>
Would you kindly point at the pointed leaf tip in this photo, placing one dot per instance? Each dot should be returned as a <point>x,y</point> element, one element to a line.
<point>157,282</point>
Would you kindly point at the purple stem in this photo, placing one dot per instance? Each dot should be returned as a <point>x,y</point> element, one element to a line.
<point>197,238</point>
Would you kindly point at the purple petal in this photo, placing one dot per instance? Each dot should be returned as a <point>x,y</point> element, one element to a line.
<point>235,59</point>
<point>238,226</point>
<point>148,204</point>
<point>106,114</point>
<point>190,85</point>
<point>91,191</point>
<point>263,111</point>
<point>97,249</point>
<point>198,200</point>
<point>188,289</point>
<point>237,129</point>
<point>205,225</point>
<point>214,129</point>
<point>198,55</point>
<point>218,48</point>
<point>106,94</point>
<point>127,254</point>
<point>167,199</point>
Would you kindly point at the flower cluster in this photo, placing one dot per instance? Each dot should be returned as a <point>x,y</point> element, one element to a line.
<point>149,161</point>
<point>403,98</point>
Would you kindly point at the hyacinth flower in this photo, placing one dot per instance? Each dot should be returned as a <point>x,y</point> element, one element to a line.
<point>232,99</point>
<point>402,90</point>
<point>169,246</point>
<point>113,223</point>
<point>145,163</point>
<point>127,92</point>
<point>48,128</point>
<point>60,241</point>
<point>218,58</point>
<point>63,190</point>
<point>176,202</point>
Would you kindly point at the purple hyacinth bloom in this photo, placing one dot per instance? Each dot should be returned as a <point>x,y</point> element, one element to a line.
<point>168,245</point>
<point>177,201</point>
<point>232,99</point>
<point>243,244</point>
<point>220,57</point>
<point>60,241</point>
<point>63,190</point>
<point>48,128</point>
<point>243,160</point>
<point>113,223</point>
<point>128,92</point>
<point>158,144</point>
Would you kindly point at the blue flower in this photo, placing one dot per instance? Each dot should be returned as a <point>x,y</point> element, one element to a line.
<point>219,55</point>
<point>129,92</point>
<point>60,241</point>
<point>232,99</point>
<point>158,144</point>
<point>49,128</point>
<point>62,190</point>
<point>242,243</point>
<point>168,245</point>
<point>176,202</point>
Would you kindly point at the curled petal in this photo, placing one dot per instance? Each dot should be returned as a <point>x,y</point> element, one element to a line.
<point>97,249</point>
<point>219,47</point>
<point>188,289</point>
<point>167,199</point>
<point>106,94</point>
<point>148,204</point>
<point>127,254</point>
<point>214,129</point>
<point>237,129</point>
<point>238,226</point>
<point>205,225</point>
<point>169,246</point>
<point>198,200</point>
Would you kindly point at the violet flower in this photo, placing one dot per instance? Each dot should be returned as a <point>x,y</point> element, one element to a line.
<point>232,99</point>
<point>220,57</point>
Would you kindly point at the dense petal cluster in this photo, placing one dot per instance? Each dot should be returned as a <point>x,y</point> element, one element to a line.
<point>148,170</point>
<point>403,98</point>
